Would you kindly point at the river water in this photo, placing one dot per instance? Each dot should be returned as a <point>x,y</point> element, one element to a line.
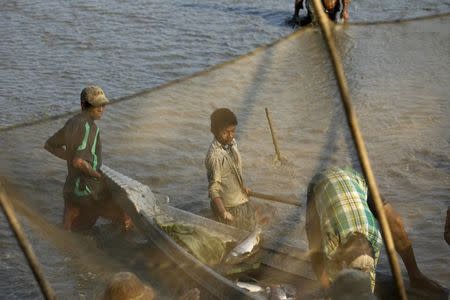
<point>398,74</point>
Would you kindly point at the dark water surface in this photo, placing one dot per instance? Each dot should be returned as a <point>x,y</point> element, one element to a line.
<point>398,76</point>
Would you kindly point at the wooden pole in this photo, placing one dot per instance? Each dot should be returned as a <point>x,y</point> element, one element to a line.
<point>25,245</point>
<point>290,201</point>
<point>360,146</point>
<point>274,140</point>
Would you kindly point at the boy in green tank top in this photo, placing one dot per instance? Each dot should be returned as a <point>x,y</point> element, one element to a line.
<point>79,144</point>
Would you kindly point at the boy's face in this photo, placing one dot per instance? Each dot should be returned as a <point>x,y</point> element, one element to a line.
<point>226,135</point>
<point>96,113</point>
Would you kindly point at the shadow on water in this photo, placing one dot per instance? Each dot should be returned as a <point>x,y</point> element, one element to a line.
<point>249,106</point>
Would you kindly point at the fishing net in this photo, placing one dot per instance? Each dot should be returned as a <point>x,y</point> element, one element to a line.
<point>204,246</point>
<point>399,79</point>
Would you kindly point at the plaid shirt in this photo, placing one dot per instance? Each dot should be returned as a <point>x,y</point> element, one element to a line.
<point>341,203</point>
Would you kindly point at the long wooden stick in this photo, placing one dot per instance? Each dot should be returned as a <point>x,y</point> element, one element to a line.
<point>359,144</point>
<point>275,198</point>
<point>25,245</point>
<point>274,140</point>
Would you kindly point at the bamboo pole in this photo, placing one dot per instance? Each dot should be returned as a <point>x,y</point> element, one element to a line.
<point>25,245</point>
<point>285,200</point>
<point>360,146</point>
<point>274,140</point>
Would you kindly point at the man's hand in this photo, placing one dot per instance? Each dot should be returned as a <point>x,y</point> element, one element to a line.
<point>247,190</point>
<point>127,223</point>
<point>345,15</point>
<point>228,216</point>
<point>85,167</point>
<point>221,210</point>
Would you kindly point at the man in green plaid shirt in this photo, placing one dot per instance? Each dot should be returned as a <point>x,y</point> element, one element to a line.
<point>341,229</point>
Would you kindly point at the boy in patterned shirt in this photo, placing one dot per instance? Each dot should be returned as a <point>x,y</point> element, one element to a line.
<point>342,231</point>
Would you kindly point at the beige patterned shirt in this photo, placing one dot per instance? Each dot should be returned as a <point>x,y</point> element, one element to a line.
<point>224,172</point>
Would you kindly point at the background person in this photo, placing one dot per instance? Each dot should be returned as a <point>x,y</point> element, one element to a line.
<point>332,8</point>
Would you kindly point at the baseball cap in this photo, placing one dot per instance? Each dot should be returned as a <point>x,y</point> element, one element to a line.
<point>94,95</point>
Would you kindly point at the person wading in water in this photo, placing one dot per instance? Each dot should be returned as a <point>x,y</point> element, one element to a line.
<point>229,196</point>
<point>330,183</point>
<point>78,143</point>
<point>332,8</point>
<point>342,231</point>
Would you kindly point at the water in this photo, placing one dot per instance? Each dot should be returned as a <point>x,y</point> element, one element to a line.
<point>50,49</point>
<point>398,76</point>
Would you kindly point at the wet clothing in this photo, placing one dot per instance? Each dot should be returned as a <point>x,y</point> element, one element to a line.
<point>79,217</point>
<point>244,216</point>
<point>82,215</point>
<point>85,197</point>
<point>224,172</point>
<point>81,137</point>
<point>340,198</point>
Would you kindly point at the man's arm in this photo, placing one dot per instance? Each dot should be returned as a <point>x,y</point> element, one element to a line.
<point>345,13</point>
<point>314,236</point>
<point>222,210</point>
<point>214,170</point>
<point>56,145</point>
<point>403,246</point>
